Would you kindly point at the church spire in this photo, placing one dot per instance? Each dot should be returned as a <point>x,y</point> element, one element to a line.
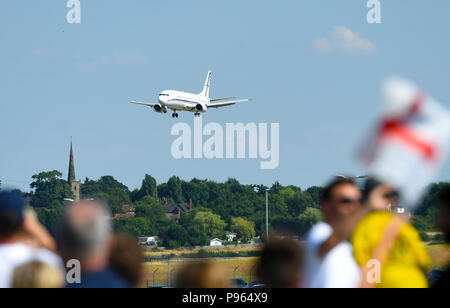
<point>71,177</point>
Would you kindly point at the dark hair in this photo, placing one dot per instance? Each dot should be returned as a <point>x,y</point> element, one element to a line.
<point>328,190</point>
<point>10,224</point>
<point>280,263</point>
<point>369,186</point>
<point>444,196</point>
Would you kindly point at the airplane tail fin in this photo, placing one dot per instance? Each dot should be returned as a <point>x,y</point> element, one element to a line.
<point>207,85</point>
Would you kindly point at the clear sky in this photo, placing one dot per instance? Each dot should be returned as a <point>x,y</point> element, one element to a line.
<point>59,80</point>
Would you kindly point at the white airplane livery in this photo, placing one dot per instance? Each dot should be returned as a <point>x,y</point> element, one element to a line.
<point>196,103</point>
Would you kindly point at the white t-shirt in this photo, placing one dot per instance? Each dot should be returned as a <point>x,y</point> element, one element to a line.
<point>14,255</point>
<point>318,234</point>
<point>338,269</point>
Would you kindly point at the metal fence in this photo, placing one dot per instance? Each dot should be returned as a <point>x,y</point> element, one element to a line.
<point>159,274</point>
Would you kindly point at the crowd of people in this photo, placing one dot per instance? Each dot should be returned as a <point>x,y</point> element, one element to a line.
<point>360,244</point>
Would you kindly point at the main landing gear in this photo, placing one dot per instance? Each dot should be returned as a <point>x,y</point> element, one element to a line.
<point>174,115</point>
<point>197,114</point>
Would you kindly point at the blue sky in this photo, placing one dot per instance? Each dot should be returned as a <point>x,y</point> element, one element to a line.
<point>60,80</point>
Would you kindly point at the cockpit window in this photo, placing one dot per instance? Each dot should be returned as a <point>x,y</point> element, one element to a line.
<point>163,94</point>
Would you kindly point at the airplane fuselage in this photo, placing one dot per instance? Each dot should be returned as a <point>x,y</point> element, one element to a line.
<point>183,101</point>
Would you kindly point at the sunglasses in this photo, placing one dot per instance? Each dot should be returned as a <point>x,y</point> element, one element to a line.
<point>392,195</point>
<point>348,201</point>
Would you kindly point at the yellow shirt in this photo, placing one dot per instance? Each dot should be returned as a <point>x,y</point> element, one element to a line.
<point>407,261</point>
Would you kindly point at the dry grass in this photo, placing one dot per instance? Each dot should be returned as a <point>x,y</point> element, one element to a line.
<point>243,265</point>
<point>178,252</point>
<point>440,255</point>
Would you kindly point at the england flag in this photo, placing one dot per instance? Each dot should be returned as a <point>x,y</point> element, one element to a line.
<point>410,144</point>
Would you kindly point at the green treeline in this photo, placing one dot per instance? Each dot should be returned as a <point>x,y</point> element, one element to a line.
<point>217,207</point>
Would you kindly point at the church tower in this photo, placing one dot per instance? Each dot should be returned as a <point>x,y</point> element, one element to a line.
<point>74,184</point>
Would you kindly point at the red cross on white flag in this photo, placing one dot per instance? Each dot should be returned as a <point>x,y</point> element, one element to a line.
<point>410,144</point>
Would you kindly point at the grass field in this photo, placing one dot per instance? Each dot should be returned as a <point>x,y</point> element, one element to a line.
<point>440,254</point>
<point>243,268</point>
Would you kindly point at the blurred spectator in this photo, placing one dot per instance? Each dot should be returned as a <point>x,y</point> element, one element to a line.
<point>37,275</point>
<point>443,281</point>
<point>85,235</point>
<point>16,228</point>
<point>391,241</point>
<point>329,256</point>
<point>201,275</point>
<point>281,264</point>
<point>378,196</point>
<point>127,258</point>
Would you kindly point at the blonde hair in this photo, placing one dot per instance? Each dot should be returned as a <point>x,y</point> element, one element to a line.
<point>37,275</point>
<point>201,275</point>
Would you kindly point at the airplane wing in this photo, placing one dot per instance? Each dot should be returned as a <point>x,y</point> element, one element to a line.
<point>145,104</point>
<point>222,99</point>
<point>227,103</point>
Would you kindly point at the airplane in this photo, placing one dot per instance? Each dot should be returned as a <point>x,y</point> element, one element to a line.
<point>197,103</point>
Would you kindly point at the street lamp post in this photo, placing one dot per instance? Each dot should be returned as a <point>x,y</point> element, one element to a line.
<point>267,214</point>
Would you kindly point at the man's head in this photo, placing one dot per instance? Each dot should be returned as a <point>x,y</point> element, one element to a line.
<point>341,205</point>
<point>12,207</point>
<point>126,258</point>
<point>85,232</point>
<point>444,213</point>
<point>280,264</point>
<point>340,199</point>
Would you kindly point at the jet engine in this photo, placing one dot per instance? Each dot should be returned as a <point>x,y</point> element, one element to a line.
<point>201,108</point>
<point>160,109</point>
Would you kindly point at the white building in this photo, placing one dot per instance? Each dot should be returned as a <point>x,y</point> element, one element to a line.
<point>231,236</point>
<point>216,242</point>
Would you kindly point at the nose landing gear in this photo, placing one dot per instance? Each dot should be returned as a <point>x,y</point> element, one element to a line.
<point>175,115</point>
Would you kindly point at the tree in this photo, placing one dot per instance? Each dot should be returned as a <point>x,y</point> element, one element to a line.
<point>309,218</point>
<point>209,224</point>
<point>153,212</point>
<point>316,194</point>
<point>109,190</point>
<point>430,199</point>
<point>299,202</point>
<point>50,217</point>
<point>136,226</point>
<point>49,187</point>
<point>148,188</point>
<point>244,229</point>
<point>197,237</point>
<point>176,237</point>
<point>174,189</point>
<point>276,187</point>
